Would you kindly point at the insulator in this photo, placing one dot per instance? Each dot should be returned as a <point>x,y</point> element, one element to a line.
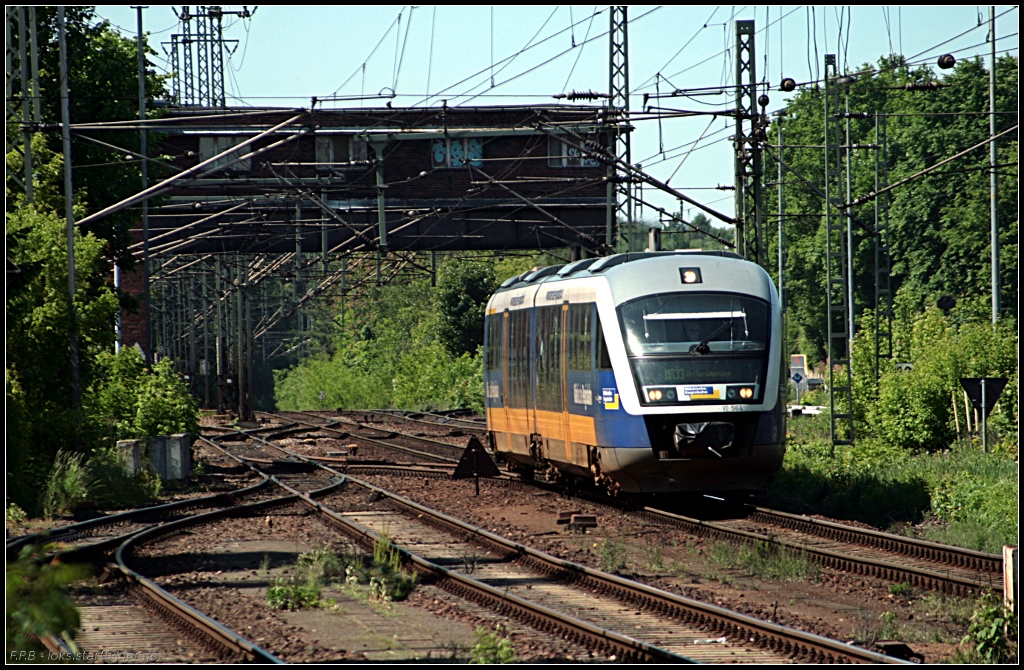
<point>763,100</point>
<point>788,85</point>
<point>946,61</point>
<point>759,134</point>
<point>922,86</point>
<point>583,95</point>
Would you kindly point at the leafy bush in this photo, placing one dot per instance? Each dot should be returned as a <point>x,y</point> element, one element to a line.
<point>293,593</point>
<point>493,647</point>
<point>69,484</point>
<point>114,487</point>
<point>36,601</point>
<point>993,631</point>
<point>14,516</point>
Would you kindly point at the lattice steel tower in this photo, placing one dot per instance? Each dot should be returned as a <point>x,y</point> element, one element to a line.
<point>837,288</point>
<point>747,143</point>
<point>197,56</point>
<point>619,202</point>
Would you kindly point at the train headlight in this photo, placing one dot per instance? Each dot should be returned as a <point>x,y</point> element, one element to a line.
<point>661,395</point>
<point>690,275</point>
<point>737,393</point>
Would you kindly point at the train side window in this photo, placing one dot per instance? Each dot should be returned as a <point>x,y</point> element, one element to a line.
<point>604,361</point>
<point>519,357</point>
<point>579,336</point>
<point>494,328</point>
<point>549,357</point>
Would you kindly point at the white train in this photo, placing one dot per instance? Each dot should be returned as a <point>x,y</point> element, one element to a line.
<point>650,372</point>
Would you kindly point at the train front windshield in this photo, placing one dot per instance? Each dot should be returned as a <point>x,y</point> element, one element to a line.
<point>696,339</point>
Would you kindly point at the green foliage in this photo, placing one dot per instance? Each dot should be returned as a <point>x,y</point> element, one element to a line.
<point>164,404</point>
<point>40,419</point>
<point>463,289</point>
<point>69,484</point>
<point>493,647</point>
<point>993,631</point>
<point>766,560</point>
<point>114,488</point>
<point>103,83</point>
<point>293,593</point>
<point>36,602</point>
<point>611,552</point>
<point>915,409</point>
<point>939,223</point>
<point>391,354</point>
<point>882,484</point>
<point>900,589</point>
<point>14,516</point>
<point>387,573</point>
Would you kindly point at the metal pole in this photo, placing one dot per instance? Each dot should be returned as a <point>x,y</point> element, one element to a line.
<point>739,148</point>
<point>984,418</point>
<point>782,211</point>
<point>239,346</point>
<point>323,236</point>
<point>34,56</point>
<point>26,101</point>
<point>218,334</point>
<point>993,185</point>
<point>69,213</point>
<point>145,185</point>
<point>849,232</point>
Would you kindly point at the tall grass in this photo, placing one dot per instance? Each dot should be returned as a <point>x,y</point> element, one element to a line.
<point>69,484</point>
<point>972,496</point>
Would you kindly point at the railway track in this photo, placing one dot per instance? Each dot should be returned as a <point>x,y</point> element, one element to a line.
<point>135,620</point>
<point>388,439</point>
<point>919,563</point>
<point>538,589</point>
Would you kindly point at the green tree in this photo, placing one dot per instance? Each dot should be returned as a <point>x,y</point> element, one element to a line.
<point>41,420</point>
<point>463,289</point>
<point>939,223</point>
<point>103,85</point>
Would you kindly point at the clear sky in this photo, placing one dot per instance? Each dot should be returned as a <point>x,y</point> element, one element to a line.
<point>480,55</point>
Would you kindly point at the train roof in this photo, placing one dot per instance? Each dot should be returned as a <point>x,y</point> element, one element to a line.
<point>634,274</point>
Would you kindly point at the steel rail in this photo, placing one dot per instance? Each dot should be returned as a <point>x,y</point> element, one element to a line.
<point>988,567</point>
<point>203,628</point>
<point>379,442</point>
<point>799,644</point>
<point>530,613</point>
<point>84,528</point>
<point>934,551</point>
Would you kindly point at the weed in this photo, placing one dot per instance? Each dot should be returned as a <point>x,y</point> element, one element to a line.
<point>387,568</point>
<point>322,565</point>
<point>612,554</point>
<point>493,647</point>
<point>293,593</point>
<point>766,560</point>
<point>900,589</point>
<point>993,631</point>
<point>264,565</point>
<point>655,561</point>
<point>945,608</point>
<point>114,487</point>
<point>69,484</point>
<point>14,516</point>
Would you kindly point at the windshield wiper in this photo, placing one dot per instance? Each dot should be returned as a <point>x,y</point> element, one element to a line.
<point>703,349</point>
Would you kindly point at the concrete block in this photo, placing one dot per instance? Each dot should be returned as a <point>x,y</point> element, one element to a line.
<point>132,455</point>
<point>158,454</point>
<point>179,456</point>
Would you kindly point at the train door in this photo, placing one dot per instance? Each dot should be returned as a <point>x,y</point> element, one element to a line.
<point>566,434</point>
<point>507,384</point>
